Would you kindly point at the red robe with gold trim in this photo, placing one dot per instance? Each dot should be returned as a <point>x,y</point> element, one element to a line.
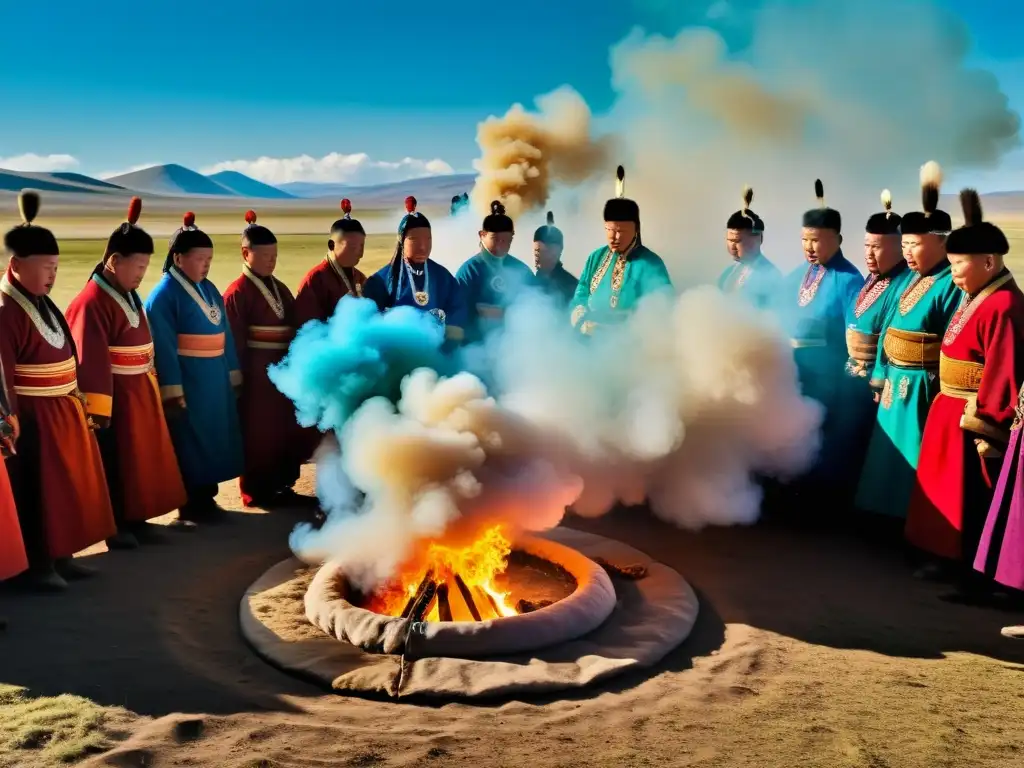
<point>58,474</point>
<point>13,559</point>
<point>274,444</point>
<point>321,290</point>
<point>968,427</point>
<point>115,371</point>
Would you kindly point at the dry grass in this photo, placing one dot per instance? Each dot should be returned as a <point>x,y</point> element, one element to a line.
<point>54,730</point>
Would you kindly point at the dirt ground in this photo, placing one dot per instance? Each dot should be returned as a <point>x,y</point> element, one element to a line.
<point>812,649</point>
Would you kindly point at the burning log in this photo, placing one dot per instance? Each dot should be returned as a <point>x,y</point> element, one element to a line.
<point>444,608</point>
<point>468,597</point>
<point>529,606</point>
<point>428,577</point>
<point>426,602</point>
<point>490,601</point>
<point>633,572</point>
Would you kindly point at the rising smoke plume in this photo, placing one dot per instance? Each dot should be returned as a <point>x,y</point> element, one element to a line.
<point>680,405</point>
<point>859,94</point>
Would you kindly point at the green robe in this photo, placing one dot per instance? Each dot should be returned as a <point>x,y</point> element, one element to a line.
<point>924,306</point>
<point>611,287</point>
<point>758,281</point>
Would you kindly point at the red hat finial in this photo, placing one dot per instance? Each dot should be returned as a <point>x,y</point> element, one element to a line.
<point>250,217</point>
<point>134,210</point>
<point>189,219</point>
<point>346,205</point>
<point>410,203</point>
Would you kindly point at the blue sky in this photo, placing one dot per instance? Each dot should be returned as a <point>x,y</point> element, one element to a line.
<point>129,84</point>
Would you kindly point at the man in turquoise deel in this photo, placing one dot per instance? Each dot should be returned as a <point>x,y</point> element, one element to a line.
<point>751,275</point>
<point>617,276</point>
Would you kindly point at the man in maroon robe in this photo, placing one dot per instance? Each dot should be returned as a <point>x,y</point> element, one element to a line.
<point>115,371</point>
<point>59,485</point>
<point>336,276</point>
<point>261,311</point>
<point>981,368</point>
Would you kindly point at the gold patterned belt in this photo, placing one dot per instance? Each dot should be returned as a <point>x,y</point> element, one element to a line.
<point>46,379</point>
<point>131,361</point>
<point>862,347</point>
<point>959,378</point>
<point>911,349</point>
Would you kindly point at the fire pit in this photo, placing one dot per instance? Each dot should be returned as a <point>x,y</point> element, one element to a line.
<point>560,610</point>
<point>484,600</point>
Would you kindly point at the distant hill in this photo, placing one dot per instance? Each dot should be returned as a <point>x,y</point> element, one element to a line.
<point>81,178</point>
<point>429,190</point>
<point>172,179</point>
<point>15,181</point>
<point>245,186</point>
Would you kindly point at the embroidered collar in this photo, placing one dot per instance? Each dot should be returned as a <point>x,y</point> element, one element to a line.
<point>211,311</point>
<point>271,293</point>
<point>968,305</point>
<point>53,336</point>
<point>126,303</point>
<point>352,286</point>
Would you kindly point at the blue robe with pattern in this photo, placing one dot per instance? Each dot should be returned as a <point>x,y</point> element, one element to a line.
<point>490,285</point>
<point>445,299</point>
<point>207,436</point>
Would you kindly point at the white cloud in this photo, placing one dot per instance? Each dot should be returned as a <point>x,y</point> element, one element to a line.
<point>357,169</point>
<point>39,163</point>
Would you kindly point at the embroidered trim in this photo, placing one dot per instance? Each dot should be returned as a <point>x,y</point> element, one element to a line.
<point>1018,412</point>
<point>126,304</point>
<point>618,275</point>
<point>809,290</point>
<point>273,298</point>
<point>914,292</point>
<point>968,306</point>
<point>742,272</point>
<point>422,298</point>
<point>212,311</point>
<point>869,294</point>
<point>53,336</point>
<point>356,289</point>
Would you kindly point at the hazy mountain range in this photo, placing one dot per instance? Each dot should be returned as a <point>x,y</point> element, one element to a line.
<point>177,181</point>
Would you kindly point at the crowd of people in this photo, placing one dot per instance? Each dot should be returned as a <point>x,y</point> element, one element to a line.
<point>121,411</point>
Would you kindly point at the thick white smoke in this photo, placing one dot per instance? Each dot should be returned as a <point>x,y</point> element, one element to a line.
<point>683,405</point>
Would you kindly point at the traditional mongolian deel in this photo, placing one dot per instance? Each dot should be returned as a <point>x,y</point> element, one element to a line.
<point>13,559</point>
<point>116,374</point>
<point>981,369</point>
<point>814,304</point>
<point>427,286</point>
<point>612,284</point>
<point>261,313</point>
<point>907,370</point>
<point>754,278</point>
<point>329,282</point>
<point>490,283</point>
<point>196,358</point>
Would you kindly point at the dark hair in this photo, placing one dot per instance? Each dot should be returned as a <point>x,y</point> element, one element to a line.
<point>129,237</point>
<point>255,234</point>
<point>412,219</point>
<point>185,238</point>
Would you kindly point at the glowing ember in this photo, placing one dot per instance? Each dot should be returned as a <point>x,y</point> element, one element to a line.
<point>456,583</point>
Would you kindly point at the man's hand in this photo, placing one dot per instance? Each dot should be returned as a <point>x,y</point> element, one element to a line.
<point>100,422</point>
<point>876,396</point>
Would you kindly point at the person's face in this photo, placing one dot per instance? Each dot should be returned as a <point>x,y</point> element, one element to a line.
<point>972,273</point>
<point>881,252</point>
<point>742,243</point>
<point>923,252</point>
<point>37,274</point>
<point>348,248</point>
<point>262,259</point>
<point>128,271</point>
<point>820,245</point>
<point>496,243</point>
<point>546,255</point>
<point>195,264</point>
<point>620,234</point>
<point>417,244</point>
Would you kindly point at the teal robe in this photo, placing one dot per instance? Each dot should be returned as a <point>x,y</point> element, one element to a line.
<point>490,285</point>
<point>207,436</point>
<point>611,287</point>
<point>813,304</point>
<point>757,281</point>
<point>925,306</point>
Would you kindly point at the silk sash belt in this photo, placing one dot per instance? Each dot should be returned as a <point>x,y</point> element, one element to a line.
<point>911,349</point>
<point>46,380</point>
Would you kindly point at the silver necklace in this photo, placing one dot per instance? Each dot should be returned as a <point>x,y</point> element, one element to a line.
<point>212,311</point>
<point>53,336</point>
<point>273,299</point>
<point>126,304</point>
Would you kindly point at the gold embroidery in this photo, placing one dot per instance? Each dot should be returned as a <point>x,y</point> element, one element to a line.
<point>914,292</point>
<point>886,400</point>
<point>969,305</point>
<point>577,314</point>
<point>618,274</point>
<point>911,349</point>
<point>869,294</point>
<point>1018,412</point>
<point>599,274</point>
<point>960,375</point>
